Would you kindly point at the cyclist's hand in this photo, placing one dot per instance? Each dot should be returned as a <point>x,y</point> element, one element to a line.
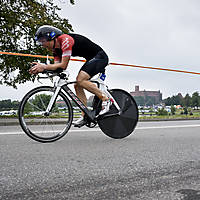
<point>36,68</point>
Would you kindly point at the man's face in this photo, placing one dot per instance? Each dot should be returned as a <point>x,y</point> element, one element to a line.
<point>46,44</point>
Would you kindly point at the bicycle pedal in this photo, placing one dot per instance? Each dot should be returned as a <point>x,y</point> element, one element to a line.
<point>91,124</point>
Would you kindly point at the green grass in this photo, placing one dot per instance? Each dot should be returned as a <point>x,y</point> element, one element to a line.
<point>171,117</point>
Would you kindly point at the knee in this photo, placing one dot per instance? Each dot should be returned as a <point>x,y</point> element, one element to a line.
<point>79,82</point>
<point>78,85</point>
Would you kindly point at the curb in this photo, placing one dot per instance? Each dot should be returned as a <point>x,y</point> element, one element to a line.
<point>177,119</point>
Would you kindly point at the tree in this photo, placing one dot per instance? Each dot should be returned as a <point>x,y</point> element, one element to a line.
<point>185,110</point>
<point>167,101</point>
<point>187,101</point>
<point>173,110</point>
<point>195,100</point>
<point>174,100</point>
<point>72,1</point>
<point>8,105</point>
<point>5,104</point>
<point>19,20</point>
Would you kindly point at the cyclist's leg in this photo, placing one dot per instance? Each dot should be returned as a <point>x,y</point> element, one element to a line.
<point>80,91</point>
<point>88,70</point>
<point>84,83</point>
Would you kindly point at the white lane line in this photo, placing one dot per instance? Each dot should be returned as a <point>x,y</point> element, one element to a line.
<point>95,129</point>
<point>18,133</point>
<point>178,126</point>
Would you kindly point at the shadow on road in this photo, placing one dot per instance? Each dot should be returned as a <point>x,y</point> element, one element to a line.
<point>189,194</point>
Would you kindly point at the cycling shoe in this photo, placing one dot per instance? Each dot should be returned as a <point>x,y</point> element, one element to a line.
<point>80,122</point>
<point>106,106</point>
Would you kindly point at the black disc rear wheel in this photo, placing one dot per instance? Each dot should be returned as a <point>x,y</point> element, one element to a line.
<point>122,125</point>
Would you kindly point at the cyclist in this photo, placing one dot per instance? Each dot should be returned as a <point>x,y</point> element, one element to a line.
<point>63,47</point>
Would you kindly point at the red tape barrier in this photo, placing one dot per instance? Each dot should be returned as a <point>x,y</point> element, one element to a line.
<point>118,64</point>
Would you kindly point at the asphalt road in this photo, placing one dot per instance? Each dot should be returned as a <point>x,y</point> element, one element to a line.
<point>160,160</point>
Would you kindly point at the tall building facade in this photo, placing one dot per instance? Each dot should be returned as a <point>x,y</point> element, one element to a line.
<point>148,97</point>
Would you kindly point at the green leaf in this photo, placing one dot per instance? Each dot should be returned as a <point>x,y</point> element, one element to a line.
<point>19,20</point>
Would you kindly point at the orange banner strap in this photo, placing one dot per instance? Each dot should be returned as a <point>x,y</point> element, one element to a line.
<point>118,64</point>
<point>34,56</point>
<point>156,68</point>
<point>22,54</point>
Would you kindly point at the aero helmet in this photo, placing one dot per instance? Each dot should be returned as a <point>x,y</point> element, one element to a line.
<point>47,32</point>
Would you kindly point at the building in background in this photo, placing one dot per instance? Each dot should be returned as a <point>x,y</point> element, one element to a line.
<point>146,98</point>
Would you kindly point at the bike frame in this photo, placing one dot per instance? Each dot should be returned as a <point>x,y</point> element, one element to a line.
<point>62,83</point>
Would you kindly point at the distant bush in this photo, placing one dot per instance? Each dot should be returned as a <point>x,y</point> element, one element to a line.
<point>161,112</point>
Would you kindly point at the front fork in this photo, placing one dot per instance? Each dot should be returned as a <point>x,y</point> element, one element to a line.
<point>52,101</point>
<point>57,87</point>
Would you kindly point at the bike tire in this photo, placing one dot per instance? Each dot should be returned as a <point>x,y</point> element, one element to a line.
<point>122,125</point>
<point>44,128</point>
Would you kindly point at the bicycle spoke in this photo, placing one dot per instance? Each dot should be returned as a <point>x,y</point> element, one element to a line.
<point>42,102</point>
<point>52,125</point>
<point>34,106</point>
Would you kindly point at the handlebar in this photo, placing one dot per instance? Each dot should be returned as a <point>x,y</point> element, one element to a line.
<point>52,73</point>
<point>57,71</point>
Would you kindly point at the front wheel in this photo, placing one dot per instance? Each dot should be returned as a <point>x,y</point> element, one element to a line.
<point>122,125</point>
<point>34,120</point>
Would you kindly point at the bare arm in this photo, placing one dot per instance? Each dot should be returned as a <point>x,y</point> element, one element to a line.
<point>37,68</point>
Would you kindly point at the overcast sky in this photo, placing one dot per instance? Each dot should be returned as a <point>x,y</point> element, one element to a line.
<point>155,33</point>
